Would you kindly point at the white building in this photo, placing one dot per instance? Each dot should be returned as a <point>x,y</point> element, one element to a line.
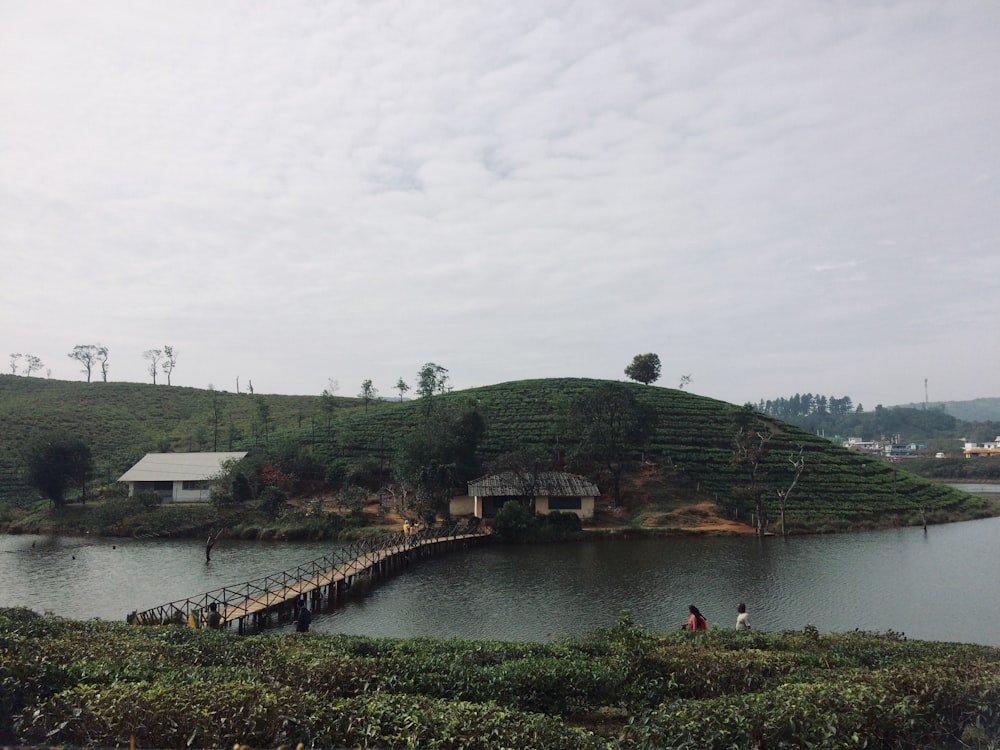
<point>178,477</point>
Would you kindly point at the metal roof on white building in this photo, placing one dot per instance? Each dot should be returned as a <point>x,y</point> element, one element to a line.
<point>164,467</point>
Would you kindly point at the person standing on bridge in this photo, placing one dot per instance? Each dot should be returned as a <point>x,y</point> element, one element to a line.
<point>302,617</point>
<point>214,617</point>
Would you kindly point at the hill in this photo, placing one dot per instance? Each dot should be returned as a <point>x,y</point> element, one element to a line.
<point>686,463</point>
<point>974,410</point>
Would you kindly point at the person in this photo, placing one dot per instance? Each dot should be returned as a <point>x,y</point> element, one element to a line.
<point>214,617</point>
<point>742,618</point>
<point>302,617</point>
<point>696,621</point>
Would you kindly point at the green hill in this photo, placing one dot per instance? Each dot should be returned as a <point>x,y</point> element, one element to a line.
<point>686,461</point>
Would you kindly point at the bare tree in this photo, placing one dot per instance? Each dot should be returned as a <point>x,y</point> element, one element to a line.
<point>86,355</point>
<point>154,356</point>
<point>750,448</point>
<point>169,361</point>
<point>798,462</point>
<point>14,358</point>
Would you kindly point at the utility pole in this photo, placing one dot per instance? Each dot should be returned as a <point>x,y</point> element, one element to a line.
<point>926,401</point>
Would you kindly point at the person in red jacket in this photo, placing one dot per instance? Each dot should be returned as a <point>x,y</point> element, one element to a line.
<point>696,621</point>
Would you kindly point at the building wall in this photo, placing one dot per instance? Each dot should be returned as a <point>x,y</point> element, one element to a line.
<point>585,511</point>
<point>176,492</point>
<point>464,505</point>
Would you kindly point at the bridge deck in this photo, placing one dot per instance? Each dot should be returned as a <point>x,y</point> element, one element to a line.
<point>252,603</point>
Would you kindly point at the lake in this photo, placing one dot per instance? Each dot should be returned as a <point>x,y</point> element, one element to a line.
<point>940,585</point>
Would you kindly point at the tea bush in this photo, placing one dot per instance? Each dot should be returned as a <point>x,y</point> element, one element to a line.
<point>624,687</point>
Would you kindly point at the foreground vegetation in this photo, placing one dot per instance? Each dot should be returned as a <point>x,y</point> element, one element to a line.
<point>101,684</point>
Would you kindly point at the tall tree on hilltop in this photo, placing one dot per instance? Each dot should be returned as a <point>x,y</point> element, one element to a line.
<point>645,368</point>
<point>102,358</point>
<point>86,355</point>
<point>432,378</point>
<point>33,364</point>
<point>153,356</point>
<point>612,427</point>
<point>328,404</point>
<point>368,392</point>
<point>169,361</point>
<point>402,387</point>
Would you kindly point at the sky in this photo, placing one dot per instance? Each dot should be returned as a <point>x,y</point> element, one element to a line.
<point>777,197</point>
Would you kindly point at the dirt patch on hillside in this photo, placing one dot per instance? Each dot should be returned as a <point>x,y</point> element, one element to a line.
<point>658,496</point>
<point>698,517</point>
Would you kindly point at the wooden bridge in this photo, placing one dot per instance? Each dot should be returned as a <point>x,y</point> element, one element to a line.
<point>323,582</point>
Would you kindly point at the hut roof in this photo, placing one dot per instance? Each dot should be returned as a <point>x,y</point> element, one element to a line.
<point>551,483</point>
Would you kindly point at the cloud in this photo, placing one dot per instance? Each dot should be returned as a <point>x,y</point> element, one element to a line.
<point>778,198</point>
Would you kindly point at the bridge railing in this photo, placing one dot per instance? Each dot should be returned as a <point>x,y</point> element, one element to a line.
<point>272,589</point>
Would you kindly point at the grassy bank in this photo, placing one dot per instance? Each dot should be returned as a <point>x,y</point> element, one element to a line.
<point>101,684</point>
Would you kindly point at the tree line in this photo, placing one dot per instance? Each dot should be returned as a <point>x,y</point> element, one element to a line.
<point>94,357</point>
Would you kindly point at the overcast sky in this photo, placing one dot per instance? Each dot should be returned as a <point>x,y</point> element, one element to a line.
<point>777,197</point>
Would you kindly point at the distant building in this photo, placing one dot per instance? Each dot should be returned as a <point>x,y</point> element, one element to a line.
<point>177,477</point>
<point>982,449</point>
<point>551,490</point>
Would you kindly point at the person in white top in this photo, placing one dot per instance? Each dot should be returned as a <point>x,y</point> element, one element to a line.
<point>742,618</point>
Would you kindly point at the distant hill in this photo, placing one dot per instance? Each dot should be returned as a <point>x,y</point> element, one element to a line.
<point>688,456</point>
<point>976,410</point>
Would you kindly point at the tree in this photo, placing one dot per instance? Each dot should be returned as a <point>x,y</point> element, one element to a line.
<point>439,456</point>
<point>431,379</point>
<point>685,380</point>
<point>102,358</point>
<point>611,426</point>
<point>264,412</point>
<point>14,359</point>
<point>216,416</point>
<point>368,392</point>
<point>56,462</point>
<point>328,403</point>
<point>402,387</point>
<point>798,462</point>
<point>154,356</point>
<point>750,449</point>
<point>33,364</point>
<point>645,368</point>
<point>522,470</point>
<point>169,361</point>
<point>87,355</point>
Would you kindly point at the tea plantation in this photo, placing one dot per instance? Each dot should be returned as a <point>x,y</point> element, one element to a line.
<point>688,454</point>
<point>91,684</point>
